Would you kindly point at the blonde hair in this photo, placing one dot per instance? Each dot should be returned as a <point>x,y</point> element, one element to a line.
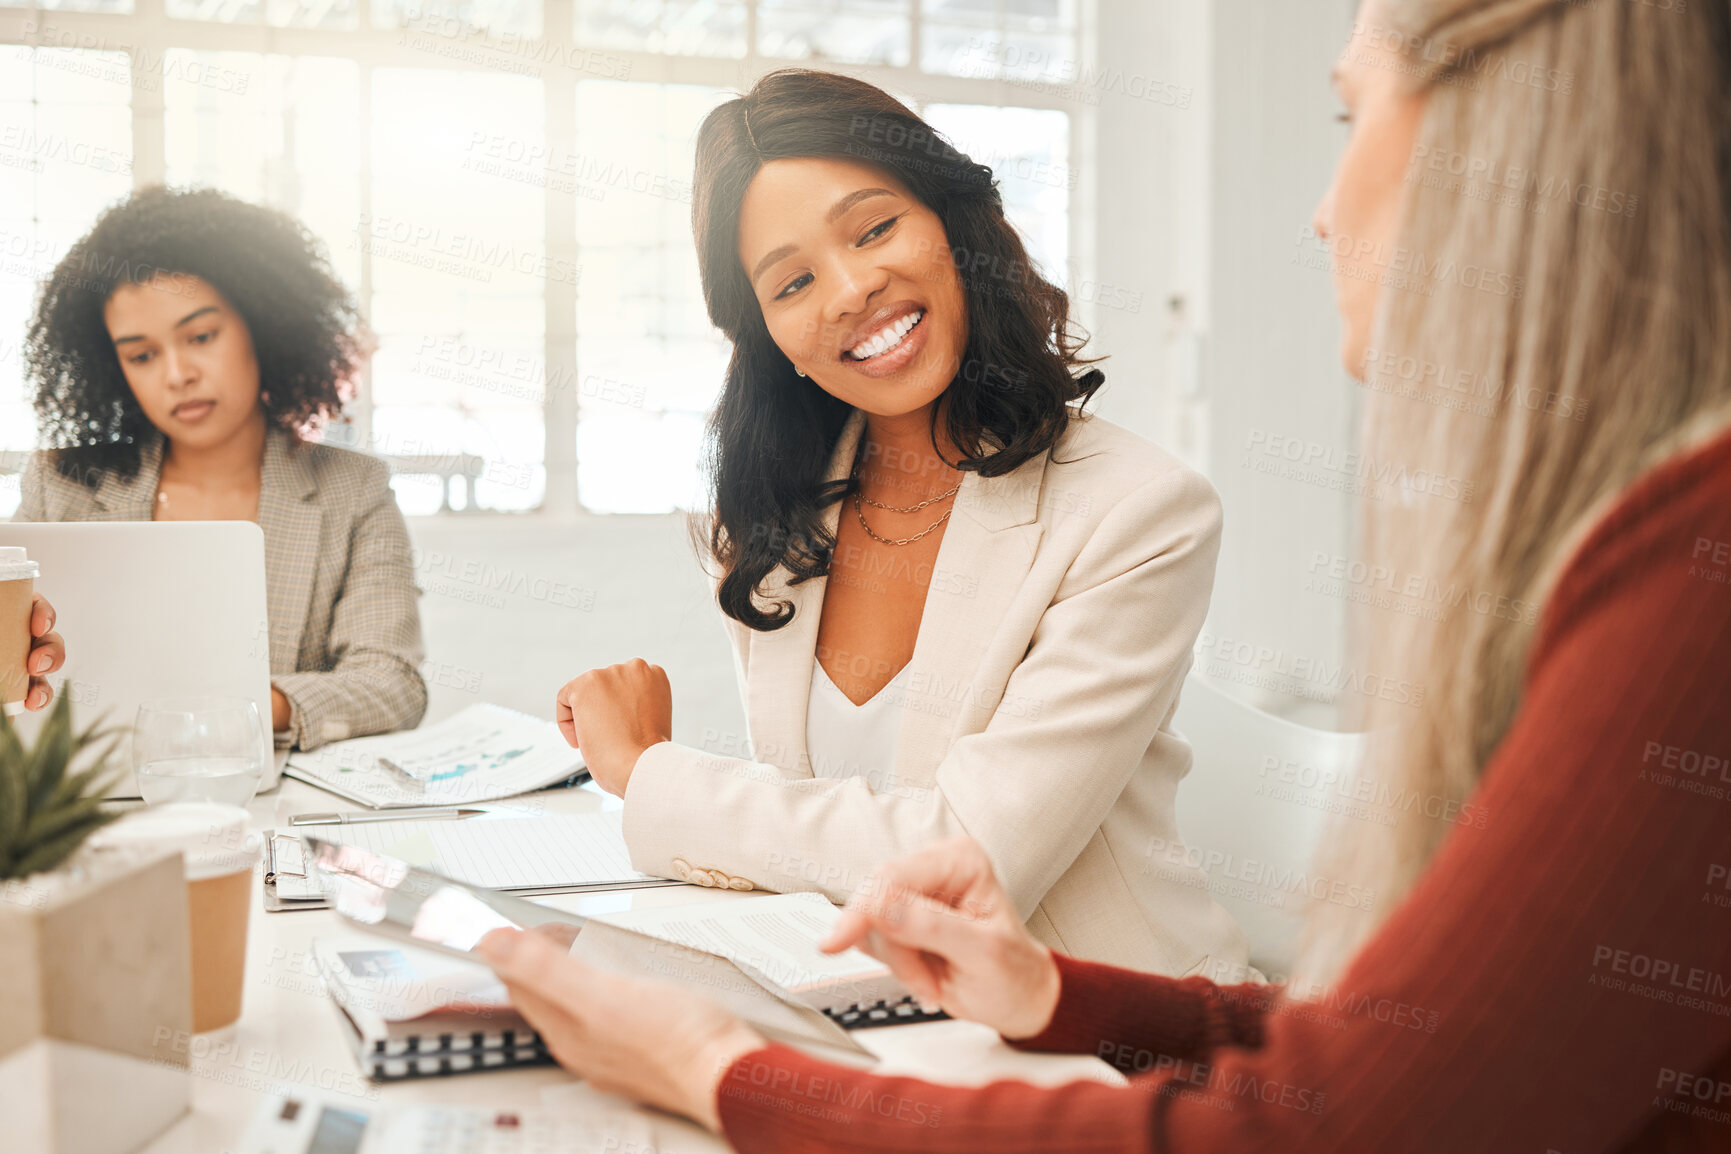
<point>1570,328</point>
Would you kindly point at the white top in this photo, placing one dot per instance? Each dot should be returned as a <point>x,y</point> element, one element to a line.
<point>848,740</point>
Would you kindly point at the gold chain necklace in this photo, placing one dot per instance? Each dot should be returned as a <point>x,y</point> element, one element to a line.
<point>911,508</point>
<point>859,511</point>
<point>860,500</point>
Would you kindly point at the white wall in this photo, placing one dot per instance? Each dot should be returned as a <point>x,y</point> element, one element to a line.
<point>1202,210</point>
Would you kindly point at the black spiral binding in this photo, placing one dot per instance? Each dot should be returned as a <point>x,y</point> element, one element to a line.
<point>883,1014</point>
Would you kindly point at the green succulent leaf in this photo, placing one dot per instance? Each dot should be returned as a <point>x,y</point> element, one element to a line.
<point>46,811</point>
<point>50,854</point>
<point>46,763</point>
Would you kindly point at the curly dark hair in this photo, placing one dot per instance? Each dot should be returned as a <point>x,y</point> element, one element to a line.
<point>771,436</point>
<point>306,328</point>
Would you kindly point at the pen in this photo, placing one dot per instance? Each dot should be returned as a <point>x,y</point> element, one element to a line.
<point>382,815</point>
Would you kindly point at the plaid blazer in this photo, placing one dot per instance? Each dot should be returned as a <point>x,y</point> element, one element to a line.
<point>345,629</point>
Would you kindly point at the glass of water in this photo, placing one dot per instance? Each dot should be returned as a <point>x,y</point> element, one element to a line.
<point>199,749</point>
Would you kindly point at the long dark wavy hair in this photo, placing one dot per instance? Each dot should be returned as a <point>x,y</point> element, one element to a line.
<point>306,328</point>
<point>772,434</point>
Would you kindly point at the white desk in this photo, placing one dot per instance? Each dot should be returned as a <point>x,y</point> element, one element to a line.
<point>289,1035</point>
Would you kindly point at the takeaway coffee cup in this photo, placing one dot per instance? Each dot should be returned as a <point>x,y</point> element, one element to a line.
<point>219,857</point>
<point>17,583</point>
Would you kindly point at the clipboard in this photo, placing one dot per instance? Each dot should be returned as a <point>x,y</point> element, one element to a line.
<point>289,883</point>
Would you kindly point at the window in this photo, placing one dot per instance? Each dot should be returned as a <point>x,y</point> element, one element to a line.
<point>1029,152</point>
<point>649,362</point>
<point>422,160</point>
<point>675,27</point>
<point>1016,40</point>
<point>835,31</point>
<point>276,13</point>
<point>458,256</point>
<point>275,130</point>
<point>65,153</point>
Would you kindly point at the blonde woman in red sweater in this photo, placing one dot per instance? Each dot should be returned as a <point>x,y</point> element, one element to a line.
<point>1557,977</point>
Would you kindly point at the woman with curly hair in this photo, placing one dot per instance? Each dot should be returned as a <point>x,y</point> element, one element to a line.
<point>957,601</point>
<point>177,352</point>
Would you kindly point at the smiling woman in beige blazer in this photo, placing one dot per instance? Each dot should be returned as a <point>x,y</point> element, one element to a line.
<point>997,647</point>
<point>176,350</point>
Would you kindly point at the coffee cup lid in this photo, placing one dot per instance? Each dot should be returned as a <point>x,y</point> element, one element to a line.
<point>212,838</point>
<point>15,563</point>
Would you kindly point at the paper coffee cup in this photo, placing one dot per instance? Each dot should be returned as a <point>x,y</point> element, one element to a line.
<point>17,585</point>
<point>219,856</point>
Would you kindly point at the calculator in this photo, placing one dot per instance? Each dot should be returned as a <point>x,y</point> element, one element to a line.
<point>307,1124</point>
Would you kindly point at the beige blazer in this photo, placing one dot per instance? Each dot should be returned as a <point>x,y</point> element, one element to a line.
<point>344,628</point>
<point>1057,631</point>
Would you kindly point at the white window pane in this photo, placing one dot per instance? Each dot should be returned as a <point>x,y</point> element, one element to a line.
<point>649,362</point>
<point>1028,150</point>
<point>1033,41</point>
<point>71,5</point>
<point>480,31</point>
<point>459,269</point>
<point>65,153</point>
<point>312,13</point>
<point>674,27</point>
<point>288,137</point>
<point>640,462</point>
<point>835,31</point>
<point>74,76</point>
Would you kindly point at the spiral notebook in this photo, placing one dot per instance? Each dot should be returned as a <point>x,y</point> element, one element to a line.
<point>411,1013</point>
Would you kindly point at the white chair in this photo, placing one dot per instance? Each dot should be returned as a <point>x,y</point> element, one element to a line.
<point>1252,811</point>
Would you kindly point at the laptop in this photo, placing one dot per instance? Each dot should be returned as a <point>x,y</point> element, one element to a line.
<point>154,609</point>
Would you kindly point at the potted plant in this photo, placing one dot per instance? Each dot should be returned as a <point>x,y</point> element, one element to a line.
<point>95,954</point>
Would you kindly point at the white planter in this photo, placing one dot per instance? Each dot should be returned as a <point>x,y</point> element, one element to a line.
<point>97,988</point>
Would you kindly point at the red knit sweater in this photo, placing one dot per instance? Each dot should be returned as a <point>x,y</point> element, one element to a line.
<point>1558,980</point>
